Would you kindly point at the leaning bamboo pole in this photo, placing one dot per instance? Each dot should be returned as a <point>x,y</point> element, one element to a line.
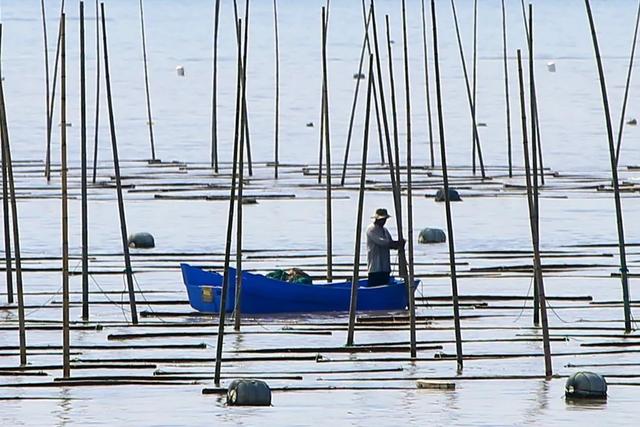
<point>407,91</point>
<point>146,82</point>
<point>118,181</point>
<point>534,154</point>
<point>6,156</point>
<point>246,124</point>
<point>66,371</point>
<point>445,179</point>
<point>83,173</point>
<point>353,305</point>
<point>535,227</point>
<point>626,87</point>
<point>614,174</point>
<point>395,186</point>
<point>237,312</point>
<point>472,106</point>
<point>6,216</point>
<point>232,196</point>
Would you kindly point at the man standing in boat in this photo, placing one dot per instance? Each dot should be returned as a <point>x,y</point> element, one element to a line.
<point>379,244</point>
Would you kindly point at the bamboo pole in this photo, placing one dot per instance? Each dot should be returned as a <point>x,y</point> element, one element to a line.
<point>395,186</point>
<point>614,175</point>
<point>394,112</point>
<point>116,168</point>
<point>506,87</point>
<point>426,83</point>
<point>52,100</point>
<point>276,126</point>
<point>227,253</point>
<point>6,156</point>
<point>6,216</point>
<point>445,178</point>
<point>472,107</point>
<point>534,157</point>
<point>353,305</point>
<point>626,87</point>
<point>474,71</point>
<point>214,89</point>
<point>97,111</point>
<point>535,230</point>
<point>355,100</point>
<point>327,143</point>
<point>146,82</point>
<point>47,81</point>
<point>83,177</point>
<point>65,213</point>
<point>237,314</point>
<point>410,296</point>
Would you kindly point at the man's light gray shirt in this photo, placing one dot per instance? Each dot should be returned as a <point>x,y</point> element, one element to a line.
<point>378,245</point>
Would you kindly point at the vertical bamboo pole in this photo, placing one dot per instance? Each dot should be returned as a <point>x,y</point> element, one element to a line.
<point>237,315</point>
<point>6,216</point>
<point>97,111</point>
<point>116,168</point>
<point>83,177</point>
<point>66,370</point>
<point>146,83</point>
<point>394,112</point>
<point>407,91</point>
<point>214,89</point>
<point>472,107</point>
<point>506,88</point>
<point>276,126</point>
<point>325,90</point>
<point>614,175</point>
<point>626,87</point>
<point>353,305</point>
<point>426,84</point>
<point>47,80</point>
<point>445,178</point>
<point>532,95</point>
<point>535,228</point>
<point>52,100</point>
<point>474,71</point>
<point>227,253</point>
<point>355,101</point>
<point>6,155</point>
<point>395,186</point>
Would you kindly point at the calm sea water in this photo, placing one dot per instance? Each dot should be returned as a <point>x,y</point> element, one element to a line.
<point>179,33</point>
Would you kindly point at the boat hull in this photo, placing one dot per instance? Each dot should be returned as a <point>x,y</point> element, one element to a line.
<point>261,295</point>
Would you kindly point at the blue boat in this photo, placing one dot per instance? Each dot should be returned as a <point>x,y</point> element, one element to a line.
<point>261,295</point>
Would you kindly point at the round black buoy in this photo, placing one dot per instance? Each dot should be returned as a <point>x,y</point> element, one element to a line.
<point>586,385</point>
<point>432,235</point>
<point>453,195</point>
<point>248,392</point>
<point>141,241</point>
